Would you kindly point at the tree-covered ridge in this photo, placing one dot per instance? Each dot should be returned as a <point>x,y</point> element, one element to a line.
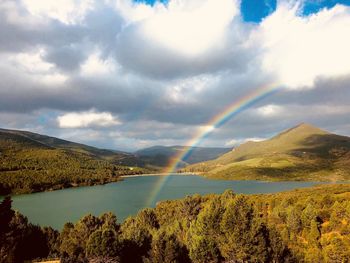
<point>28,165</point>
<point>309,225</point>
<point>301,153</point>
<point>29,139</point>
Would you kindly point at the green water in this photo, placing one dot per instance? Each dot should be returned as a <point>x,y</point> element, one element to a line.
<point>129,196</point>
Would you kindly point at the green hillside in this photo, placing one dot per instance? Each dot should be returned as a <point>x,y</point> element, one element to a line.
<point>31,162</point>
<point>300,153</point>
<point>161,155</point>
<point>115,157</point>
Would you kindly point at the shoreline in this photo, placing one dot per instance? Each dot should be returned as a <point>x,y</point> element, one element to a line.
<point>154,174</point>
<point>225,179</point>
<point>122,177</point>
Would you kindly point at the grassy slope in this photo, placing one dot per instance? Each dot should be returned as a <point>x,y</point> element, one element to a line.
<point>301,153</point>
<point>31,162</point>
<point>115,157</point>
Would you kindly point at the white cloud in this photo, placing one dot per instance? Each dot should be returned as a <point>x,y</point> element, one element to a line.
<point>254,139</point>
<point>185,91</point>
<point>32,62</point>
<point>232,143</point>
<point>133,12</point>
<point>87,119</point>
<point>270,110</point>
<point>188,27</point>
<point>35,67</point>
<point>14,16</point>
<point>94,65</point>
<point>184,39</point>
<point>66,11</point>
<point>237,142</point>
<point>206,128</point>
<point>300,49</point>
<point>205,36</point>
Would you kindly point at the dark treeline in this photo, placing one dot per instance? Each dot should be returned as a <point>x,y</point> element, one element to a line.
<point>21,240</point>
<point>310,225</point>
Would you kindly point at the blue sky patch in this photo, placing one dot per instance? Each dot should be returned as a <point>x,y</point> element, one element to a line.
<point>256,10</point>
<point>313,6</point>
<point>150,2</point>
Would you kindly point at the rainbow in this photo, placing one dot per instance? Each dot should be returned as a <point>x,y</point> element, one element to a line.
<point>217,121</point>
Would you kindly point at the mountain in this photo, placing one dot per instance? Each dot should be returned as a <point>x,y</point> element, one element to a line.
<point>115,157</point>
<point>161,155</point>
<point>303,152</point>
<point>31,162</point>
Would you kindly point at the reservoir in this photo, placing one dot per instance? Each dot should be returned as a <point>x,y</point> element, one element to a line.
<point>127,197</point>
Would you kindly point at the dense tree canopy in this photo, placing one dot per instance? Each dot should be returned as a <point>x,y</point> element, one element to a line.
<point>310,225</point>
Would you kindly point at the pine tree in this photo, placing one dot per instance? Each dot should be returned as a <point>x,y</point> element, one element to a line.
<point>314,234</point>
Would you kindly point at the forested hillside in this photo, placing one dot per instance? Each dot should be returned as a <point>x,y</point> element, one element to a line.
<point>32,163</point>
<point>304,152</point>
<point>309,225</point>
<point>115,157</point>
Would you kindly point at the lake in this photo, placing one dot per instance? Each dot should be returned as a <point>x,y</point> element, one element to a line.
<point>127,197</point>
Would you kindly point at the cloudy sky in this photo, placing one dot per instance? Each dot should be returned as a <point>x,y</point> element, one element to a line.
<point>125,74</point>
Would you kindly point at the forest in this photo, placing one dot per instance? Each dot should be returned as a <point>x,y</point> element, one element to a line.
<point>308,225</point>
<point>28,165</point>
<point>40,170</point>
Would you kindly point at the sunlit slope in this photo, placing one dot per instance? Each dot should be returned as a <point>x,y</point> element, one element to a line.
<point>300,153</point>
<point>32,162</point>
<point>115,157</point>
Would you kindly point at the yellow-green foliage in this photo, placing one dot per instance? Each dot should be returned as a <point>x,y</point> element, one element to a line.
<point>301,153</point>
<point>27,165</point>
<point>308,225</point>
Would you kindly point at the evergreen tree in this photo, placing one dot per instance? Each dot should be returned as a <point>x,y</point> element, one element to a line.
<point>204,249</point>
<point>314,234</point>
<point>236,227</point>
<point>294,221</point>
<point>166,248</point>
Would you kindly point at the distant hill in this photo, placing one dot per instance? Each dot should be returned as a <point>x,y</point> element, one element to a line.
<point>31,162</point>
<point>115,157</point>
<point>304,152</point>
<point>161,155</point>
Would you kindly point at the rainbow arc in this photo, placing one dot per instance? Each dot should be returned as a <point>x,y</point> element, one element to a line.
<point>216,122</point>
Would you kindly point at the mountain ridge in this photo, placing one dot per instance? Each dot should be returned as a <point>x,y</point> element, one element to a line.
<point>57,143</point>
<point>303,152</point>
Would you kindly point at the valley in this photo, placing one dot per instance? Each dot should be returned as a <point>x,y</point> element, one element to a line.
<point>277,186</point>
<point>31,162</point>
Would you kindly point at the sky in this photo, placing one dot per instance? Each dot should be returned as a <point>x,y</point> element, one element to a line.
<point>123,74</point>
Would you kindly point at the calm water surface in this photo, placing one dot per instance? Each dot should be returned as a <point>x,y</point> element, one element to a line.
<point>127,197</point>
